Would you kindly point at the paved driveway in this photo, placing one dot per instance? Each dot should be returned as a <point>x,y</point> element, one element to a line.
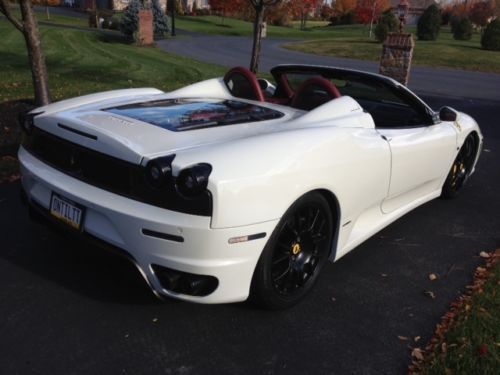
<point>69,308</point>
<point>234,51</point>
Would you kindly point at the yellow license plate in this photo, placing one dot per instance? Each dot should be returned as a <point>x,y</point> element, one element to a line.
<point>66,211</point>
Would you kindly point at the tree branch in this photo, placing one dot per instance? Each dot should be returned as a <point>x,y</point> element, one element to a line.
<point>5,9</point>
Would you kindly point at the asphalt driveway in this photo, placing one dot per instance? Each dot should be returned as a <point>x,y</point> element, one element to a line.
<point>235,51</point>
<point>69,308</point>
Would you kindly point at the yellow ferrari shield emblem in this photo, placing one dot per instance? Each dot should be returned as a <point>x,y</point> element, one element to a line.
<point>296,249</point>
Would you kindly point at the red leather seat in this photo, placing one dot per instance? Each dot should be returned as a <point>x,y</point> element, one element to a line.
<point>242,83</point>
<point>314,92</point>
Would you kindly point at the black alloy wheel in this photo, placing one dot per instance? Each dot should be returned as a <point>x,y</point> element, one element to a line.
<point>295,253</point>
<point>461,168</point>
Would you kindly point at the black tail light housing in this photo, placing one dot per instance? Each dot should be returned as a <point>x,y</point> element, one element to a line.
<point>159,171</point>
<point>193,181</point>
<point>188,190</point>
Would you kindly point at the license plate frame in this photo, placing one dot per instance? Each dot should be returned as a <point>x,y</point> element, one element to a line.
<point>67,211</point>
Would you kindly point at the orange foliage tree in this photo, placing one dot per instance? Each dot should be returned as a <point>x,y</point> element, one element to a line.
<point>302,8</point>
<point>481,12</point>
<point>223,7</point>
<point>345,6</point>
<point>369,11</point>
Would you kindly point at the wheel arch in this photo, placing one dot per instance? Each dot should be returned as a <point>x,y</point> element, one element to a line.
<point>334,205</point>
<point>477,144</point>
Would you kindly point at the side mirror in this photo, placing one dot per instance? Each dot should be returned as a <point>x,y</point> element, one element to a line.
<point>448,114</point>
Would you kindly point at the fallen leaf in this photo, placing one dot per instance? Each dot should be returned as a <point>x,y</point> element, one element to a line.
<point>155,320</point>
<point>483,350</point>
<point>417,338</point>
<point>484,254</point>
<point>126,335</point>
<point>403,338</point>
<point>383,274</point>
<point>334,299</point>
<point>430,294</point>
<point>432,277</point>
<point>417,353</point>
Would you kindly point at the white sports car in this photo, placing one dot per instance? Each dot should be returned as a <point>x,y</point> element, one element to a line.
<point>233,187</point>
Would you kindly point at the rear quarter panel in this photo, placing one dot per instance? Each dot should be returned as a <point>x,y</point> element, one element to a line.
<point>256,179</point>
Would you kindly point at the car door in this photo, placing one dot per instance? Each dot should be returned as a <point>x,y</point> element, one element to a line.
<point>422,150</point>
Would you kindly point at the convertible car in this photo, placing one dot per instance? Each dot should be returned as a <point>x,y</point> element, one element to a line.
<point>236,187</point>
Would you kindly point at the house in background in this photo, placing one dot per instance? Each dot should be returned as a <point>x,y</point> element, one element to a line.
<point>200,4</point>
<point>116,5</point>
<point>417,7</point>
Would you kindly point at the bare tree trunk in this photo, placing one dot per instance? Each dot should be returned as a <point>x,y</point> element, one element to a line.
<point>37,61</point>
<point>96,15</point>
<point>257,37</point>
<point>372,18</point>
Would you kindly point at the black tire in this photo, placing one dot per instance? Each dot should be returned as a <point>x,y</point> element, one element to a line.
<point>294,254</point>
<point>461,168</point>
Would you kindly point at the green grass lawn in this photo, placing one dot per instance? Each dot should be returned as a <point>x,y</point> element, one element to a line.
<point>85,62</point>
<point>234,27</point>
<point>63,20</point>
<point>53,18</point>
<point>472,343</point>
<point>352,41</point>
<point>444,52</point>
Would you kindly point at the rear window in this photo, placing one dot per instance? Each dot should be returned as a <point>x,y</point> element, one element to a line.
<point>190,114</point>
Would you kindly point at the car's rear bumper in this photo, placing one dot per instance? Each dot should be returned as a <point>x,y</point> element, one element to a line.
<point>174,240</point>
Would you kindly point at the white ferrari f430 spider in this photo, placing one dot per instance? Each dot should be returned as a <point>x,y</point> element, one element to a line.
<point>236,187</point>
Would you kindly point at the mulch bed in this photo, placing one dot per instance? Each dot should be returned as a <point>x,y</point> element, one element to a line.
<point>10,132</point>
<point>10,137</point>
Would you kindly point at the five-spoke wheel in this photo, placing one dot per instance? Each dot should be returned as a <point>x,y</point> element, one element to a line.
<point>295,253</point>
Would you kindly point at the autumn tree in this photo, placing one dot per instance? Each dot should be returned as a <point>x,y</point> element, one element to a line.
<point>481,12</point>
<point>345,6</point>
<point>369,11</point>
<point>279,15</point>
<point>28,26</point>
<point>259,6</point>
<point>326,12</point>
<point>223,7</point>
<point>302,8</point>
